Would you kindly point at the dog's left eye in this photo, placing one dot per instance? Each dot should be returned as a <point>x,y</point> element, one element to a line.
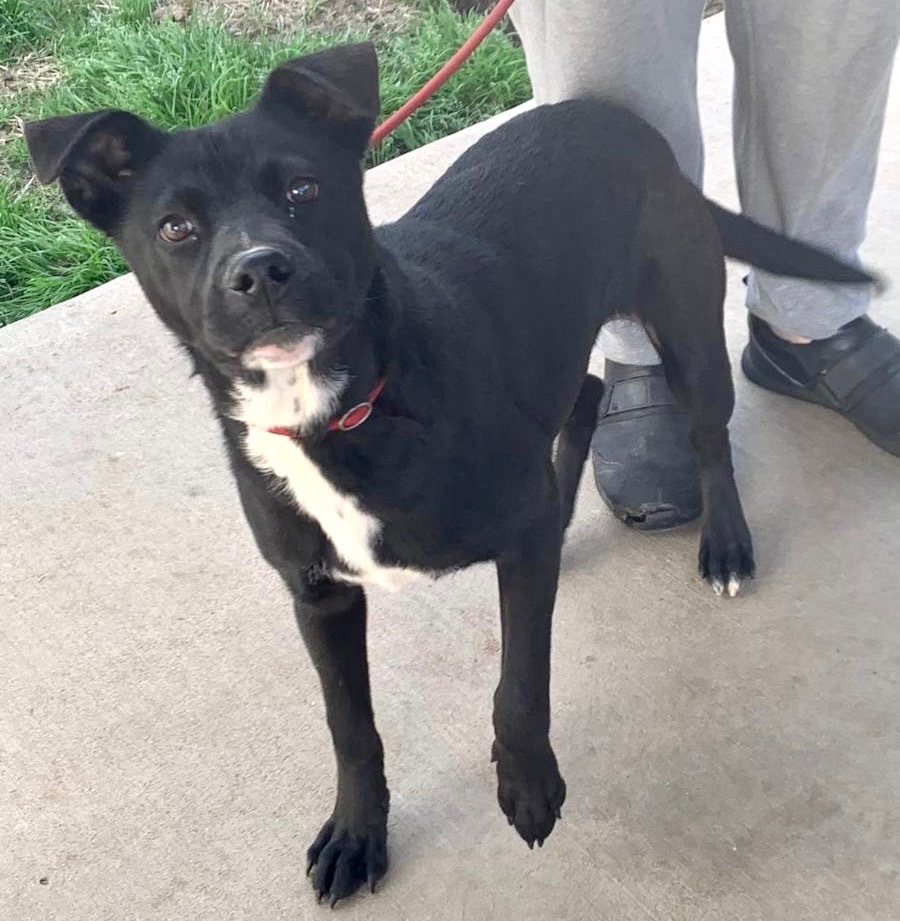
<point>302,190</point>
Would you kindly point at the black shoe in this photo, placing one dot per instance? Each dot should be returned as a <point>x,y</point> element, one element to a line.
<point>855,372</point>
<point>645,468</point>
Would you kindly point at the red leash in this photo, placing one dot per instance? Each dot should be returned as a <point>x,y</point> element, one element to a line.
<point>443,75</point>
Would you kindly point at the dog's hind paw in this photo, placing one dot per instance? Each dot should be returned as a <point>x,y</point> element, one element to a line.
<point>726,557</point>
<point>342,859</point>
<point>731,589</point>
<point>530,791</point>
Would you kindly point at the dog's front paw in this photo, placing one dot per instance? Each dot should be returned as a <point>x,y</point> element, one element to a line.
<point>348,853</point>
<point>530,791</point>
<point>726,554</point>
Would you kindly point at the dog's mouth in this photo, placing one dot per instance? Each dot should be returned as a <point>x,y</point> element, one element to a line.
<point>282,348</point>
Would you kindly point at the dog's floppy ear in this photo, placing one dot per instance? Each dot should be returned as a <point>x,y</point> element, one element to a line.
<point>339,85</point>
<point>93,156</point>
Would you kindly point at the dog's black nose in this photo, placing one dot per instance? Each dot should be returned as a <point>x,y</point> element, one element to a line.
<point>255,269</point>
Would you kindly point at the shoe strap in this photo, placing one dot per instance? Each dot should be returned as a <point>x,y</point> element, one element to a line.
<point>856,373</point>
<point>630,393</point>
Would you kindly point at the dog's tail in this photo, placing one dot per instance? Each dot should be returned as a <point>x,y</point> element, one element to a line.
<point>744,239</point>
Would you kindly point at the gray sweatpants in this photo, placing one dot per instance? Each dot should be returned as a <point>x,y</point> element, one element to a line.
<point>811,83</point>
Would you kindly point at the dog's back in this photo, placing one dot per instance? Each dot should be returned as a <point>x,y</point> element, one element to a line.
<point>529,241</point>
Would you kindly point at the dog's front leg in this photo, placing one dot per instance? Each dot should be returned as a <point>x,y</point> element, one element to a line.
<point>351,848</point>
<point>529,787</point>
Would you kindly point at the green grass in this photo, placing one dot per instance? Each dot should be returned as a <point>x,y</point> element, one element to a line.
<point>113,54</point>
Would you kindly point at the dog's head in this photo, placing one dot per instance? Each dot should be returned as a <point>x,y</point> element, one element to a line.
<point>249,236</point>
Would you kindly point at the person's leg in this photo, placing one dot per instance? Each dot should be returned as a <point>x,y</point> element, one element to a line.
<point>642,54</point>
<point>811,85</point>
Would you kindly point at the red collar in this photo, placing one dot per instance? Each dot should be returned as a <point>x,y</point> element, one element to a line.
<point>352,419</point>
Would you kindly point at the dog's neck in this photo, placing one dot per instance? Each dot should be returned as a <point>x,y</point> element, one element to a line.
<point>363,355</point>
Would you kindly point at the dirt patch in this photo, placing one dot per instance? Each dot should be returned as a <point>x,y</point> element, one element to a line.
<point>266,17</point>
<point>27,74</point>
<point>14,128</point>
<point>30,73</point>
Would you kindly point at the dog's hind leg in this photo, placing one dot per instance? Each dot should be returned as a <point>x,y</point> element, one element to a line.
<point>700,377</point>
<point>529,787</point>
<point>574,443</point>
<point>680,301</point>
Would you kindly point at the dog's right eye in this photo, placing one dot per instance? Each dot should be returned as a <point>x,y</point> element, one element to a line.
<point>174,228</point>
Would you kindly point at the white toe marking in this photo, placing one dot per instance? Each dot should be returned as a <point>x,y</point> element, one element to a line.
<point>718,587</point>
<point>734,586</point>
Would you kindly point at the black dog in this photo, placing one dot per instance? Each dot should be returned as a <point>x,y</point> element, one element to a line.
<point>459,336</point>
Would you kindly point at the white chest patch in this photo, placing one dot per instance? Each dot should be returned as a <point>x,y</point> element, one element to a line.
<point>292,398</point>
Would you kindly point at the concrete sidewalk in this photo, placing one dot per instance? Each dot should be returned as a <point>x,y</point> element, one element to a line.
<point>163,753</point>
